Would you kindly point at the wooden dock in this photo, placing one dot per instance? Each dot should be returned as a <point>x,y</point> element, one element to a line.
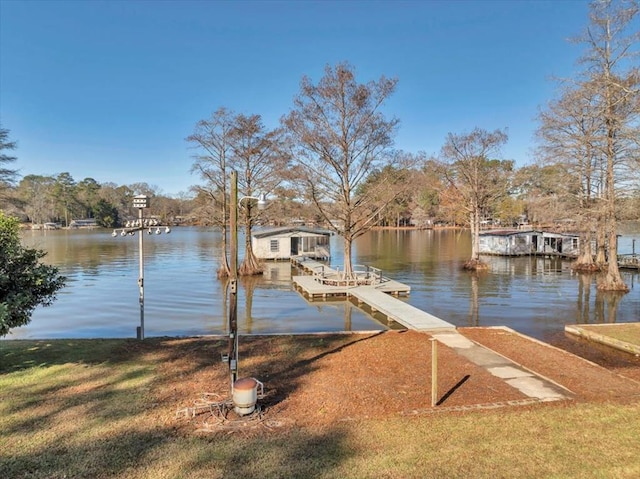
<point>399,311</point>
<point>308,265</point>
<point>629,261</point>
<point>369,288</point>
<point>325,281</point>
<point>312,289</point>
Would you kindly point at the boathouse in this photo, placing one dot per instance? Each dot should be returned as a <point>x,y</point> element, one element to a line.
<point>563,244</point>
<point>289,241</point>
<point>530,242</point>
<point>84,223</point>
<point>509,242</point>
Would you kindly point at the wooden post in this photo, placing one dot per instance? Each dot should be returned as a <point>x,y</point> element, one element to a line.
<point>233,280</point>
<point>434,372</point>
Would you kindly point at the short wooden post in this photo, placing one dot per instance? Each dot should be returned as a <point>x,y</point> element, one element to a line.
<point>434,372</point>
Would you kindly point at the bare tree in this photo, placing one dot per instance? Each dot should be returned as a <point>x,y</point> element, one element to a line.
<point>542,188</point>
<point>340,137</point>
<point>212,140</point>
<point>569,133</point>
<point>470,168</point>
<point>610,40</point>
<point>258,156</point>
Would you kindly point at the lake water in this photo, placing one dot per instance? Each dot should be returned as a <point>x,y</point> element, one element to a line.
<point>183,296</point>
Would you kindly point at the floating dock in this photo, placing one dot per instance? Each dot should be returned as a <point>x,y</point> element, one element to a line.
<point>629,261</point>
<point>323,282</point>
<point>369,288</point>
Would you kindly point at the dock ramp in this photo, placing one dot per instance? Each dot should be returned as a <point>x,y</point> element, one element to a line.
<point>399,311</point>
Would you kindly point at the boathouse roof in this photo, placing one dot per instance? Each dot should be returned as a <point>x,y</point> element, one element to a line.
<point>511,232</point>
<point>504,232</point>
<point>288,230</point>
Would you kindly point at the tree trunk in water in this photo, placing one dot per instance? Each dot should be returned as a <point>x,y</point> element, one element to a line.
<point>585,262</point>
<point>475,239</point>
<point>250,264</point>
<point>348,262</point>
<point>474,263</point>
<point>224,270</point>
<point>601,245</point>
<point>612,280</point>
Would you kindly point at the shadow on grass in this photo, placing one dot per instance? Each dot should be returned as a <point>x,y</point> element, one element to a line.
<point>48,372</point>
<point>85,390</point>
<point>296,455</point>
<point>18,355</point>
<point>96,395</point>
<point>157,452</point>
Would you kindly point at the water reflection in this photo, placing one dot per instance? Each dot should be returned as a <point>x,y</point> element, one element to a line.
<point>474,309</point>
<point>183,296</point>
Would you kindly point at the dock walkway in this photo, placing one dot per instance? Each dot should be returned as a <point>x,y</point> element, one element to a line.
<point>369,288</point>
<point>399,311</point>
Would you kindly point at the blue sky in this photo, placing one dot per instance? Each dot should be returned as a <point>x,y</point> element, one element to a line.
<point>111,89</point>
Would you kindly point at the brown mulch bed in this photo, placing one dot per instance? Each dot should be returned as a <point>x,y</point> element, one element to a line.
<point>591,372</point>
<point>317,380</point>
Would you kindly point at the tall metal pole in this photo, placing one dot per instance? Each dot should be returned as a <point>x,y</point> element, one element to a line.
<point>233,282</point>
<point>141,275</point>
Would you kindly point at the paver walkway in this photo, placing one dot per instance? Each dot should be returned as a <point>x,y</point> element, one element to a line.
<point>527,382</point>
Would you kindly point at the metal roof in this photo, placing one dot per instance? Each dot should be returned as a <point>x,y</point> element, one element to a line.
<point>282,230</point>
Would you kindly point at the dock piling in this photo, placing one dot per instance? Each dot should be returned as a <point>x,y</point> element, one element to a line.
<point>434,372</point>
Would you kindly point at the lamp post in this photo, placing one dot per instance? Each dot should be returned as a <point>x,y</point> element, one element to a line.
<point>234,204</point>
<point>140,202</point>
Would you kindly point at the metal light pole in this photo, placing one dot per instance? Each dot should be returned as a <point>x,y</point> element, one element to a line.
<point>140,225</point>
<point>141,202</point>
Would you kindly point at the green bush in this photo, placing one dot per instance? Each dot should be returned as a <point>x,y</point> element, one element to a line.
<point>24,282</point>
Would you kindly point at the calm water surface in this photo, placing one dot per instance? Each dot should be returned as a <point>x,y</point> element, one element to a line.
<point>183,297</point>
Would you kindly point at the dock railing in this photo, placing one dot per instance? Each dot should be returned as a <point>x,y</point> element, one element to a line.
<point>362,275</point>
<point>631,261</point>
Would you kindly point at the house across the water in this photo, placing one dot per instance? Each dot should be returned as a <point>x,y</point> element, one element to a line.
<point>285,242</point>
<point>84,223</point>
<point>530,242</point>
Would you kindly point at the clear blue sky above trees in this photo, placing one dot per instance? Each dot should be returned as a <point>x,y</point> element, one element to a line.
<point>110,90</point>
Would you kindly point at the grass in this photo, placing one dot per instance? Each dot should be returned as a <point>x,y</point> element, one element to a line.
<point>629,333</point>
<point>89,408</point>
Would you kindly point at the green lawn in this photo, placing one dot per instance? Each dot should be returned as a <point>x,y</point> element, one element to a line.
<point>629,333</point>
<point>89,409</point>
